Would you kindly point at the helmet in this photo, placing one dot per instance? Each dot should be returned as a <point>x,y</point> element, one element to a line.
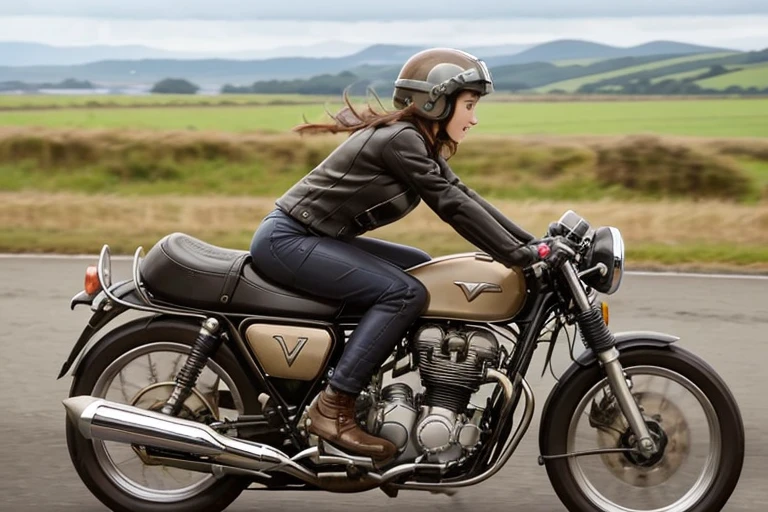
<point>432,76</point>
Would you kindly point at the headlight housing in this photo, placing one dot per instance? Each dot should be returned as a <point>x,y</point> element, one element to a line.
<point>607,248</point>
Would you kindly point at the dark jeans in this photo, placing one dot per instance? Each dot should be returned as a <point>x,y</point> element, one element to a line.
<point>365,271</point>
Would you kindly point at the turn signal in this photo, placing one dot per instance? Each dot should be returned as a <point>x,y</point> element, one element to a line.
<point>543,250</point>
<point>92,284</point>
<point>604,309</point>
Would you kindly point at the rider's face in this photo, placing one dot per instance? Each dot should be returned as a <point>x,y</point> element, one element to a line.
<point>463,117</point>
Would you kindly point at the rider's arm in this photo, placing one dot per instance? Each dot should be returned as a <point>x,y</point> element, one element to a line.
<point>502,219</point>
<point>406,156</point>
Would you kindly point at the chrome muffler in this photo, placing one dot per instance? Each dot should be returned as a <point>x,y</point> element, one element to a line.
<point>97,418</point>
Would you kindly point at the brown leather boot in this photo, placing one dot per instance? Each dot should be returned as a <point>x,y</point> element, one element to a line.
<point>332,417</point>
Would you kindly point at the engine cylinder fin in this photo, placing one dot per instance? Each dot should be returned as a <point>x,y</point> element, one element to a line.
<point>449,397</point>
<point>452,364</point>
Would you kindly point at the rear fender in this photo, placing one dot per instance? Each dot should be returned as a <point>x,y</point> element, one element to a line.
<point>104,311</point>
<point>625,341</point>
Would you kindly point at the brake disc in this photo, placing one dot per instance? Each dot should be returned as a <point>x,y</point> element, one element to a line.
<point>658,408</point>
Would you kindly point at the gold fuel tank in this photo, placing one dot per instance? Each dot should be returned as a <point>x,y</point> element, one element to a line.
<point>471,287</point>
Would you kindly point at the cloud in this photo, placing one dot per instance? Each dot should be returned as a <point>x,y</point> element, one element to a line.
<point>737,32</point>
<point>392,10</point>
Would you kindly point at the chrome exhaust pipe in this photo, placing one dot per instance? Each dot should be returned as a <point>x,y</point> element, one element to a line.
<point>97,418</point>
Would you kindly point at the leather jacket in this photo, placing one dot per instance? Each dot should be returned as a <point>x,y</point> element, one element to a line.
<point>379,175</point>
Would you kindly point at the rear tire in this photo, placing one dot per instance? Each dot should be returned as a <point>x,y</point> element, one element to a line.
<point>139,333</point>
<point>561,410</point>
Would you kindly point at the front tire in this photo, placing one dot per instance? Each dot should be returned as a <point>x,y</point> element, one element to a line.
<point>628,484</point>
<point>123,491</point>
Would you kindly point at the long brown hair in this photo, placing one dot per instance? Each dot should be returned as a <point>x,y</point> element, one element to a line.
<point>350,120</point>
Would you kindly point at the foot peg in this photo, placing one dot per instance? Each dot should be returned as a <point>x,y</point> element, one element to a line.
<point>330,454</point>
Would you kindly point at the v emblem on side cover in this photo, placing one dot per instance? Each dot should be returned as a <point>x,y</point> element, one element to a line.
<point>291,355</point>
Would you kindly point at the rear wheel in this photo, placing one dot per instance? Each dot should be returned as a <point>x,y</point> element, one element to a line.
<point>689,411</point>
<point>136,365</point>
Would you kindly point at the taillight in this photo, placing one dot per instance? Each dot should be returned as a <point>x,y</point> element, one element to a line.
<point>92,284</point>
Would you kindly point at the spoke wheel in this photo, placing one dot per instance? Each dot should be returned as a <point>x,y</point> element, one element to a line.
<point>680,473</point>
<point>136,364</point>
<point>691,415</point>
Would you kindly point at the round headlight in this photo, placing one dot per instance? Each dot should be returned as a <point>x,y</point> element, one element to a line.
<point>608,249</point>
<point>618,259</point>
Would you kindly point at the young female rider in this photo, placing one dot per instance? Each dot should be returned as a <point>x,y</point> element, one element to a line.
<point>391,161</point>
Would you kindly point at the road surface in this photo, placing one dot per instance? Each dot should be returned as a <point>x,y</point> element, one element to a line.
<point>724,320</point>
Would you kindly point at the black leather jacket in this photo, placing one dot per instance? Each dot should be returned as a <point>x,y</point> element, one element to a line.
<point>377,176</point>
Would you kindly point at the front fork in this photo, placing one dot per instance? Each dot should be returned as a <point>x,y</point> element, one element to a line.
<point>601,340</point>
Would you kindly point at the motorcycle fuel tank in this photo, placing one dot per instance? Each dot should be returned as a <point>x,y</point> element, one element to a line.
<point>471,287</point>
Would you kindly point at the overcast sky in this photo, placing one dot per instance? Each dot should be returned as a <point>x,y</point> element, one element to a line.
<point>373,10</point>
<point>232,25</point>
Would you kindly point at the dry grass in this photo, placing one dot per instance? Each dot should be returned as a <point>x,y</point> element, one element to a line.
<point>656,231</point>
<point>151,162</point>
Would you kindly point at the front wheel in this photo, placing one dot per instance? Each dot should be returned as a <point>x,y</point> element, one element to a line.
<point>689,411</point>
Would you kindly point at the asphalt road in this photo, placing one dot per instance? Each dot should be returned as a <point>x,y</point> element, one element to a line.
<point>724,320</point>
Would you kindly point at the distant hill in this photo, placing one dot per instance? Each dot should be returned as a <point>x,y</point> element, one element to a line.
<point>574,49</point>
<point>374,62</point>
<point>36,54</point>
<point>706,73</point>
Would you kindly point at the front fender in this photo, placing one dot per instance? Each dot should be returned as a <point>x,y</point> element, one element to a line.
<point>627,340</point>
<point>104,311</point>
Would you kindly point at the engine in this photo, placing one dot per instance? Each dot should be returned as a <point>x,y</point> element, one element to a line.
<point>437,424</point>
<point>452,364</point>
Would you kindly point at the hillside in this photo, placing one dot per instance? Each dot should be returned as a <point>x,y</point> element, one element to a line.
<point>608,75</point>
<point>753,76</point>
<point>644,80</point>
<point>119,70</point>
<point>572,85</point>
<point>574,49</point>
<point>14,53</point>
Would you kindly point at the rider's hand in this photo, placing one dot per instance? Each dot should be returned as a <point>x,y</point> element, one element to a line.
<point>555,251</point>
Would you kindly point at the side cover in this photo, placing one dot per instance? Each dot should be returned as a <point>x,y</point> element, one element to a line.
<point>290,351</point>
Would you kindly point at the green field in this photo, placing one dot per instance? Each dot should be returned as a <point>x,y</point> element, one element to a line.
<point>680,76</point>
<point>748,75</point>
<point>755,76</point>
<point>574,83</point>
<point>21,101</point>
<point>715,118</point>
<point>576,62</point>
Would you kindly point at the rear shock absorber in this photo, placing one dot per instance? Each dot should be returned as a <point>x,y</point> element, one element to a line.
<point>206,344</point>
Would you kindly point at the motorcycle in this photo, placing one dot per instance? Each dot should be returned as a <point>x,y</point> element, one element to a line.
<point>205,393</point>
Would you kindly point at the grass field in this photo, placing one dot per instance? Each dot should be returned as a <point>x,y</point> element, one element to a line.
<point>677,234</point>
<point>725,79</point>
<point>679,76</point>
<point>574,83</point>
<point>536,160</point>
<point>22,101</point>
<point>754,76</point>
<point>715,118</point>
<point>576,62</point>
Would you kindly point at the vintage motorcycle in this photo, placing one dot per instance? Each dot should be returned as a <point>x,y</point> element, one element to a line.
<point>205,395</point>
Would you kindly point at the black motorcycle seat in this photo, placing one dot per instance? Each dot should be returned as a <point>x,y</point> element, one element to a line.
<point>186,271</point>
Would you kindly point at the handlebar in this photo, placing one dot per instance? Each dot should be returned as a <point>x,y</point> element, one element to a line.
<point>555,250</point>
